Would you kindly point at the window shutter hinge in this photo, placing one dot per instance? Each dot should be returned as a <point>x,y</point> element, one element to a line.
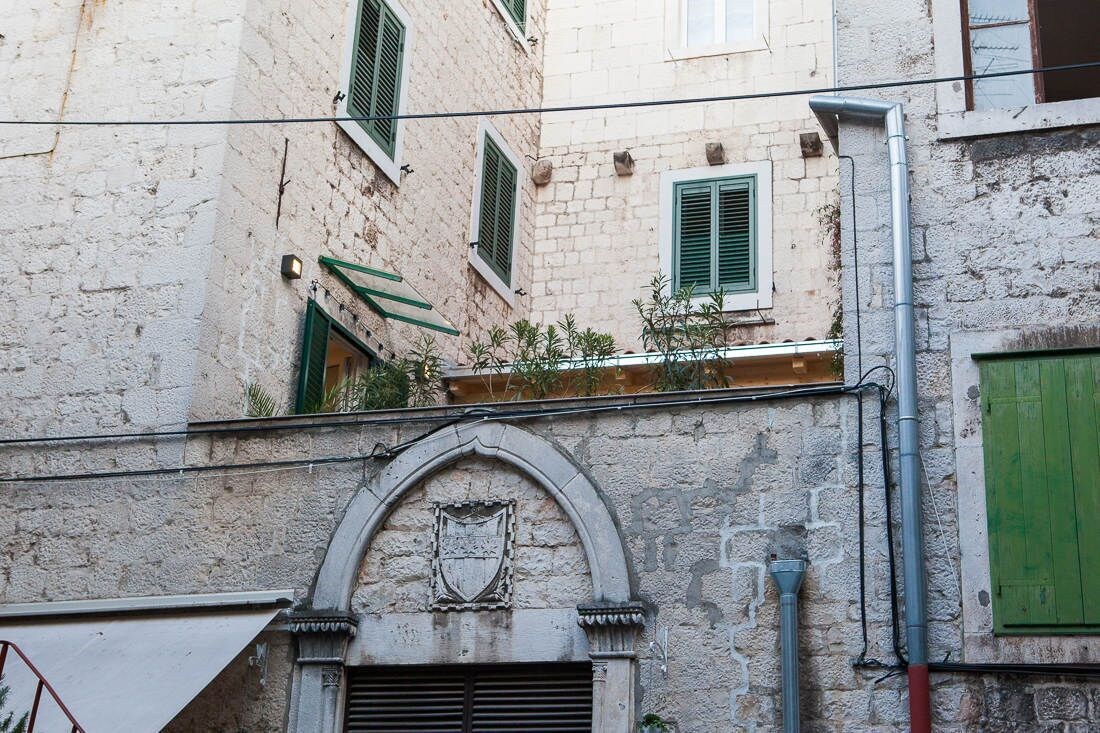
<point>339,95</point>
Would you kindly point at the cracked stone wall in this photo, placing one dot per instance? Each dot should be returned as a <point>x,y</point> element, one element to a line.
<point>1006,237</point>
<point>703,496</point>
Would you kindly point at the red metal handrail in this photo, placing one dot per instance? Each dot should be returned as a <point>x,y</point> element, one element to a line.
<point>42,683</point>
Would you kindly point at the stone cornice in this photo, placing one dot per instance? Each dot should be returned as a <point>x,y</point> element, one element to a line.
<point>611,628</point>
<point>320,622</point>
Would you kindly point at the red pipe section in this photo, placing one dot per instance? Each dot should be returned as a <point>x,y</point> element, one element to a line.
<point>920,702</point>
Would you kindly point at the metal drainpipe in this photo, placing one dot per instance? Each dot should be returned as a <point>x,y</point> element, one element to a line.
<point>787,575</point>
<point>829,111</point>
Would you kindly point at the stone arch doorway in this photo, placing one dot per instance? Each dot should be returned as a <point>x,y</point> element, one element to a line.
<point>609,619</point>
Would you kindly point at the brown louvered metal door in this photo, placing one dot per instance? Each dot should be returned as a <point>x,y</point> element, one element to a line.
<point>553,697</point>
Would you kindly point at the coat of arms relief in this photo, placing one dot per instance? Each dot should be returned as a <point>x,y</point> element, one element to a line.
<point>472,556</point>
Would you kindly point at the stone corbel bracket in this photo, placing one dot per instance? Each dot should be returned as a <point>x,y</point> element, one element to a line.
<point>612,628</point>
<point>322,636</point>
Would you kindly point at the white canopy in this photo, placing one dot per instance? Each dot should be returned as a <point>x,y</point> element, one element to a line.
<point>126,671</point>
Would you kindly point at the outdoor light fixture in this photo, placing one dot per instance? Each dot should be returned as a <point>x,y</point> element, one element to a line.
<point>291,267</point>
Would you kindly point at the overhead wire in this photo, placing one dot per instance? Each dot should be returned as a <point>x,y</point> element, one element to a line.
<point>868,86</point>
<point>449,420</point>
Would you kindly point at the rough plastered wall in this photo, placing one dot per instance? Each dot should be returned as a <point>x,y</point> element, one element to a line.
<point>702,497</point>
<point>105,232</point>
<point>549,570</point>
<point>1005,236</point>
<point>341,205</point>
<point>597,233</point>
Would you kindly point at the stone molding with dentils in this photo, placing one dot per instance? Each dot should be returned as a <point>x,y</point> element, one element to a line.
<point>537,457</point>
<point>322,637</point>
<point>612,628</point>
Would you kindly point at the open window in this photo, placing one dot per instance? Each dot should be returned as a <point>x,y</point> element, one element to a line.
<point>494,221</point>
<point>1009,35</point>
<point>331,356</point>
<point>375,71</point>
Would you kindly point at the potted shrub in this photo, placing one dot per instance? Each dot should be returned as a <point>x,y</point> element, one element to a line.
<point>652,723</point>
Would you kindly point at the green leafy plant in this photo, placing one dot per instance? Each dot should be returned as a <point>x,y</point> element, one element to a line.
<point>424,368</point>
<point>533,361</point>
<point>527,352</point>
<point>828,217</point>
<point>536,361</point>
<point>258,402</point>
<point>651,722</point>
<point>590,352</point>
<point>688,336</point>
<point>489,358</point>
<point>9,723</point>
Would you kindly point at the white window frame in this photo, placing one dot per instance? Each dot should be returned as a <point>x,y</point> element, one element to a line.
<point>505,291</point>
<point>676,32</point>
<point>762,296</point>
<point>390,166</point>
<point>955,121</point>
<point>517,34</point>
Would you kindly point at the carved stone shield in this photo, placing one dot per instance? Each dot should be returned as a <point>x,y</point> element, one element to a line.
<point>472,556</point>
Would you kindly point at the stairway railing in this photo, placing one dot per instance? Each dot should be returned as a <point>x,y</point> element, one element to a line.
<point>42,685</point>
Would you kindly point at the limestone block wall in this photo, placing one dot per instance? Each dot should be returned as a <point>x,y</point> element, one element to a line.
<point>597,234</point>
<point>549,565</point>
<point>1005,236</point>
<point>339,204</point>
<point>105,233</point>
<point>702,496</point>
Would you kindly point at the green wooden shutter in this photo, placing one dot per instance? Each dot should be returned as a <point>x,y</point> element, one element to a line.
<point>311,374</point>
<point>518,10</point>
<point>1042,463</point>
<point>497,217</point>
<point>714,232</point>
<point>375,84</point>
<point>693,227</point>
<point>737,235</point>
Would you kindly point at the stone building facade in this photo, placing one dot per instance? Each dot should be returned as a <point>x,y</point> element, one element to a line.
<point>601,237</point>
<point>1006,261</point>
<point>628,534</point>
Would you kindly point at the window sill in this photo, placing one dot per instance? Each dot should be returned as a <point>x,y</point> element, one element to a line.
<point>495,282</point>
<point>683,53</point>
<point>517,34</point>
<point>739,302</point>
<point>378,156</point>
<point>961,125</point>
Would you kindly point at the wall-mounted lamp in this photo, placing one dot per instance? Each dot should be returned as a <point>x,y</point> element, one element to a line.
<point>291,267</point>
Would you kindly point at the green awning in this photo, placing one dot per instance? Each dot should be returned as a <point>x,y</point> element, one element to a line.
<point>389,295</point>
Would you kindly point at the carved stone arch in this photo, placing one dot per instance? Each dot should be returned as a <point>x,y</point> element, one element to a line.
<point>610,621</point>
<point>534,455</point>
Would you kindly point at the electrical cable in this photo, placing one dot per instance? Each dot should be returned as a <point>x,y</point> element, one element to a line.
<point>425,416</point>
<point>571,107</point>
<point>1055,669</point>
<point>450,420</point>
<point>887,493</point>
